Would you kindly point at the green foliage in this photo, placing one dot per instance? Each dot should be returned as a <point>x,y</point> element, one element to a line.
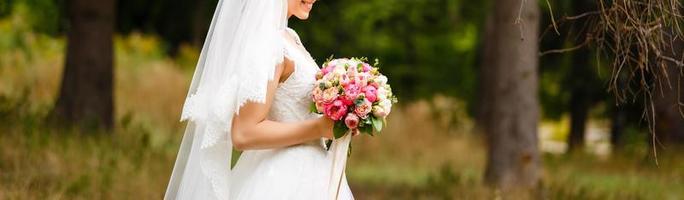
<point>442,182</point>
<point>426,46</point>
<point>5,7</point>
<point>367,129</point>
<point>377,123</point>
<point>339,129</point>
<point>313,109</point>
<point>44,16</point>
<point>175,21</point>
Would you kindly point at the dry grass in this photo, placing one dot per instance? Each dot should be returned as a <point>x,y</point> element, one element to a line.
<point>418,155</point>
<point>49,164</point>
<point>149,86</point>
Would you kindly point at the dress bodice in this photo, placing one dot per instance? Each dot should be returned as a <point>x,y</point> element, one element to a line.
<point>301,171</point>
<point>293,96</point>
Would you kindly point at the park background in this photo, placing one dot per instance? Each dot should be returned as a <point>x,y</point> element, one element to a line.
<point>576,138</point>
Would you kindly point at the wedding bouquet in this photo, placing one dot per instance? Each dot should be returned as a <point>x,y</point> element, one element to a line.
<point>354,94</point>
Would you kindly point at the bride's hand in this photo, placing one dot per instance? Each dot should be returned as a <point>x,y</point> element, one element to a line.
<point>326,127</point>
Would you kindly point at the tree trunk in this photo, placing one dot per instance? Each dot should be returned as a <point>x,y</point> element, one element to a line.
<point>513,161</point>
<point>667,99</point>
<point>487,53</point>
<point>620,119</point>
<point>199,24</point>
<point>580,78</point>
<point>579,112</point>
<point>86,95</point>
<point>617,128</point>
<point>582,81</point>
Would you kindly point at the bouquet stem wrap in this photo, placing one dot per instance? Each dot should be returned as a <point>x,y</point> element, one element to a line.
<point>339,150</point>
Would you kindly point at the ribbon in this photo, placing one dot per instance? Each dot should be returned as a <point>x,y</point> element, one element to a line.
<point>340,148</point>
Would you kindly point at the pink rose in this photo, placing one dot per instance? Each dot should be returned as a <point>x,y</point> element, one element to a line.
<point>366,67</point>
<point>346,101</point>
<point>336,110</point>
<point>351,72</point>
<point>320,106</point>
<point>329,95</point>
<point>344,81</point>
<point>374,84</point>
<point>363,108</point>
<point>370,92</point>
<point>327,69</point>
<point>352,121</point>
<point>317,94</point>
<point>351,91</point>
<point>362,79</point>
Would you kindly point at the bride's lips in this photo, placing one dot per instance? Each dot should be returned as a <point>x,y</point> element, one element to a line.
<point>308,5</point>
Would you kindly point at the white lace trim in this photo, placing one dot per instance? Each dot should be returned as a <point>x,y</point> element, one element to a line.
<point>214,110</point>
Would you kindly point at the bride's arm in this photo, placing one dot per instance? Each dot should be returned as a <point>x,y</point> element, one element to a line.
<point>251,129</point>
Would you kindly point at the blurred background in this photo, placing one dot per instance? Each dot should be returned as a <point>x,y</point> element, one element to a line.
<point>91,94</point>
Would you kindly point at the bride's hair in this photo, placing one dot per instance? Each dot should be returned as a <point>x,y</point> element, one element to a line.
<point>299,8</point>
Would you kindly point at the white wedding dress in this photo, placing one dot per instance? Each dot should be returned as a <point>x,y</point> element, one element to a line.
<point>245,42</point>
<point>298,172</point>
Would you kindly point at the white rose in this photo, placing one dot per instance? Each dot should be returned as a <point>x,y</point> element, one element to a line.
<point>381,79</point>
<point>382,93</point>
<point>339,70</point>
<point>386,104</point>
<point>333,62</point>
<point>379,111</point>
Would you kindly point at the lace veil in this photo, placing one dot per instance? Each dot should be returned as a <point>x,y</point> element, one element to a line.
<point>242,48</point>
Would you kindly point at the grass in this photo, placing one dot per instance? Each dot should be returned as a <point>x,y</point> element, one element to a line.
<point>429,150</point>
<point>39,163</point>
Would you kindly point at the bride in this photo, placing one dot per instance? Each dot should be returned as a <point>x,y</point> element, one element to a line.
<point>251,90</point>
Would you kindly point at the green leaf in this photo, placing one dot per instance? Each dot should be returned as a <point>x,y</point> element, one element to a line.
<point>313,108</point>
<point>377,123</point>
<point>328,143</point>
<point>366,129</point>
<point>366,121</point>
<point>331,57</point>
<point>339,129</point>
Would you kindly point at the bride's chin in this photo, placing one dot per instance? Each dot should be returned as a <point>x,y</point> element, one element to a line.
<point>303,16</point>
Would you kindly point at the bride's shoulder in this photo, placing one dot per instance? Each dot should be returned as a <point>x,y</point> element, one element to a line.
<point>292,33</point>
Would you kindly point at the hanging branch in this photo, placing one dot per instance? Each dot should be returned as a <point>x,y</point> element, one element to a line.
<point>638,36</point>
